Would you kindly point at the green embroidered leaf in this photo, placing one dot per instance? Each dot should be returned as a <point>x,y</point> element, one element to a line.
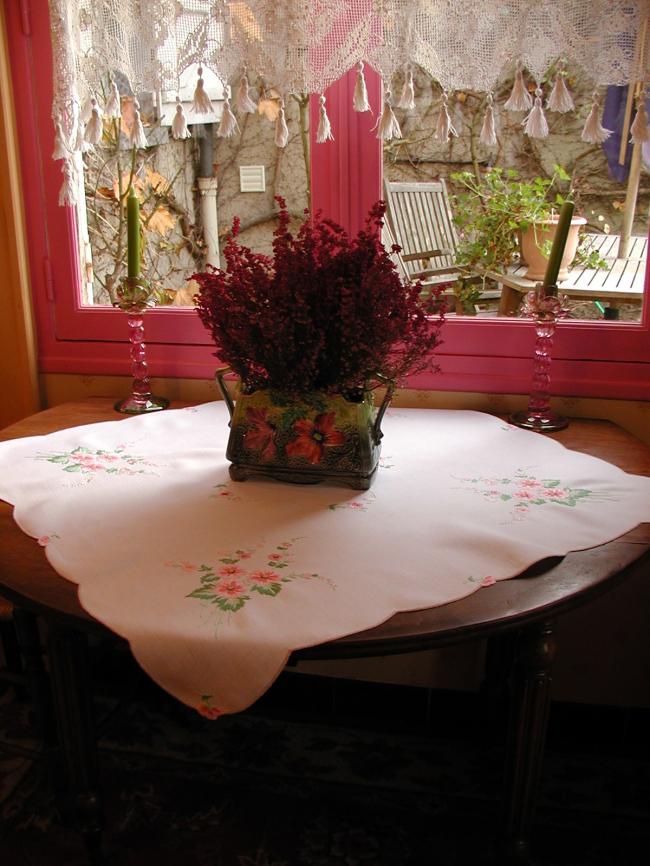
<point>203,592</point>
<point>58,458</point>
<point>505,497</point>
<point>73,467</point>
<point>277,564</point>
<point>331,507</point>
<point>267,588</point>
<point>205,568</point>
<point>231,604</point>
<point>229,560</point>
<point>580,493</point>
<point>538,501</point>
<point>550,482</point>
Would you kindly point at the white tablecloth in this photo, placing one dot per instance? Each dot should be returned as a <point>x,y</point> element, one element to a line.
<point>215,582</point>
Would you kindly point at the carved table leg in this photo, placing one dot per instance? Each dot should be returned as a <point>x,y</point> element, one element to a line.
<point>37,679</point>
<point>526,737</point>
<point>67,651</point>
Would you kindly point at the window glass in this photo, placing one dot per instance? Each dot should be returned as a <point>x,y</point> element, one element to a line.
<point>489,211</point>
<point>189,189</point>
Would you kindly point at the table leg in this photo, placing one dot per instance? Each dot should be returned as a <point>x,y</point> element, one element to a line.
<point>528,721</point>
<point>38,681</point>
<point>67,653</point>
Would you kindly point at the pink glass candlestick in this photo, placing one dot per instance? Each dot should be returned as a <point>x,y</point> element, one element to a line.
<point>135,299</point>
<point>546,308</point>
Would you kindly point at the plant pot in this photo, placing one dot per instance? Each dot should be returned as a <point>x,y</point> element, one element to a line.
<point>304,438</point>
<point>536,236</point>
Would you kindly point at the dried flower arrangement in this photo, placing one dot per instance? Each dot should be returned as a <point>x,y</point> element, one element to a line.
<point>326,312</point>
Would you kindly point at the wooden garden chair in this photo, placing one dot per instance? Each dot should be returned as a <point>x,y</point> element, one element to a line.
<point>419,219</point>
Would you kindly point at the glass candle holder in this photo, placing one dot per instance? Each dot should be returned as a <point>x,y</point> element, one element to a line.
<point>135,298</point>
<point>546,308</point>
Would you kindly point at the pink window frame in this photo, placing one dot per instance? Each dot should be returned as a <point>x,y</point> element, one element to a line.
<point>594,359</point>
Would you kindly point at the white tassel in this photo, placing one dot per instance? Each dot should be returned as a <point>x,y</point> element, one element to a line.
<point>136,133</point>
<point>407,99</point>
<point>519,99</point>
<point>560,98</point>
<point>81,144</point>
<point>60,148</point>
<point>243,102</point>
<point>113,106</point>
<point>94,127</point>
<point>639,130</point>
<point>593,132</point>
<point>535,124</point>
<point>86,110</point>
<point>488,135</point>
<point>360,98</point>
<point>201,103</point>
<point>444,126</point>
<point>179,123</point>
<point>324,131</point>
<point>387,126</point>
<point>68,192</point>
<point>281,129</point>
<point>228,125</point>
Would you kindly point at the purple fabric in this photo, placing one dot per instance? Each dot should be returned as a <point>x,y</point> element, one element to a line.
<point>613,114</point>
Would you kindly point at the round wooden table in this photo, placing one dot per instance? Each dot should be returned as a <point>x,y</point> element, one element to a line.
<point>523,608</point>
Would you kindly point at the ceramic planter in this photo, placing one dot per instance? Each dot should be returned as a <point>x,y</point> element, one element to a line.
<point>304,439</point>
<point>536,236</point>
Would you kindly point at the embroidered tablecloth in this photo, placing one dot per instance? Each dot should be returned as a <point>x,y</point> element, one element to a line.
<point>215,582</point>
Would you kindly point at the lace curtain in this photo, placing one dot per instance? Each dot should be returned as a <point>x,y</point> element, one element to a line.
<point>306,46</point>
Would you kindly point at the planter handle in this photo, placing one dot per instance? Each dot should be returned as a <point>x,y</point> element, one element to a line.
<point>219,376</point>
<point>388,396</point>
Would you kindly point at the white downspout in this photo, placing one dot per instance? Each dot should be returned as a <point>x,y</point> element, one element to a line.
<point>208,193</point>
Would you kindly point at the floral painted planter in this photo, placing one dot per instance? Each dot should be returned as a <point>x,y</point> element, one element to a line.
<point>306,439</point>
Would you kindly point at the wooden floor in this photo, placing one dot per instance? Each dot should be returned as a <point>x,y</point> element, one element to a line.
<point>622,281</point>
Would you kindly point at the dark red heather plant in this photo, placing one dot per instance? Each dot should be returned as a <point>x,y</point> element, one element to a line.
<point>325,312</point>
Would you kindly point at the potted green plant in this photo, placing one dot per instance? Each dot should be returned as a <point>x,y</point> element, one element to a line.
<point>500,216</point>
<point>311,332</point>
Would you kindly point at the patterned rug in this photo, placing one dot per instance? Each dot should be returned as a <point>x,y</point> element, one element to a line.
<point>262,790</point>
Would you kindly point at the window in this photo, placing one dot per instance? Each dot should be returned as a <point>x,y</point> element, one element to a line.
<point>590,359</point>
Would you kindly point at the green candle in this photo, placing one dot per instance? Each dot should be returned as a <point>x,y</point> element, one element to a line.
<point>133,233</point>
<point>559,242</point>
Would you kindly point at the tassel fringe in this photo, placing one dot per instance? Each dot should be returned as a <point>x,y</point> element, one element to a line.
<point>535,124</point>
<point>324,131</point>
<point>228,125</point>
<point>201,103</point>
<point>68,191</point>
<point>488,135</point>
<point>60,149</point>
<point>407,99</point>
<point>639,131</point>
<point>94,127</point>
<point>444,128</point>
<point>387,126</point>
<point>179,123</point>
<point>81,144</point>
<point>113,106</point>
<point>593,132</point>
<point>136,134</point>
<point>360,98</point>
<point>560,98</point>
<point>519,99</point>
<point>243,101</point>
<point>281,129</point>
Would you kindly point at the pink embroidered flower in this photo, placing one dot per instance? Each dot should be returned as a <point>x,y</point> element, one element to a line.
<point>529,482</point>
<point>555,493</point>
<point>232,588</point>
<point>230,570</point>
<point>110,458</point>
<point>243,554</point>
<point>314,437</point>
<point>263,577</point>
<point>260,435</point>
<point>355,504</point>
<point>44,540</point>
<point>525,494</point>
<point>487,581</point>
<point>187,566</point>
<point>209,712</point>
<point>225,493</point>
<point>274,557</point>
